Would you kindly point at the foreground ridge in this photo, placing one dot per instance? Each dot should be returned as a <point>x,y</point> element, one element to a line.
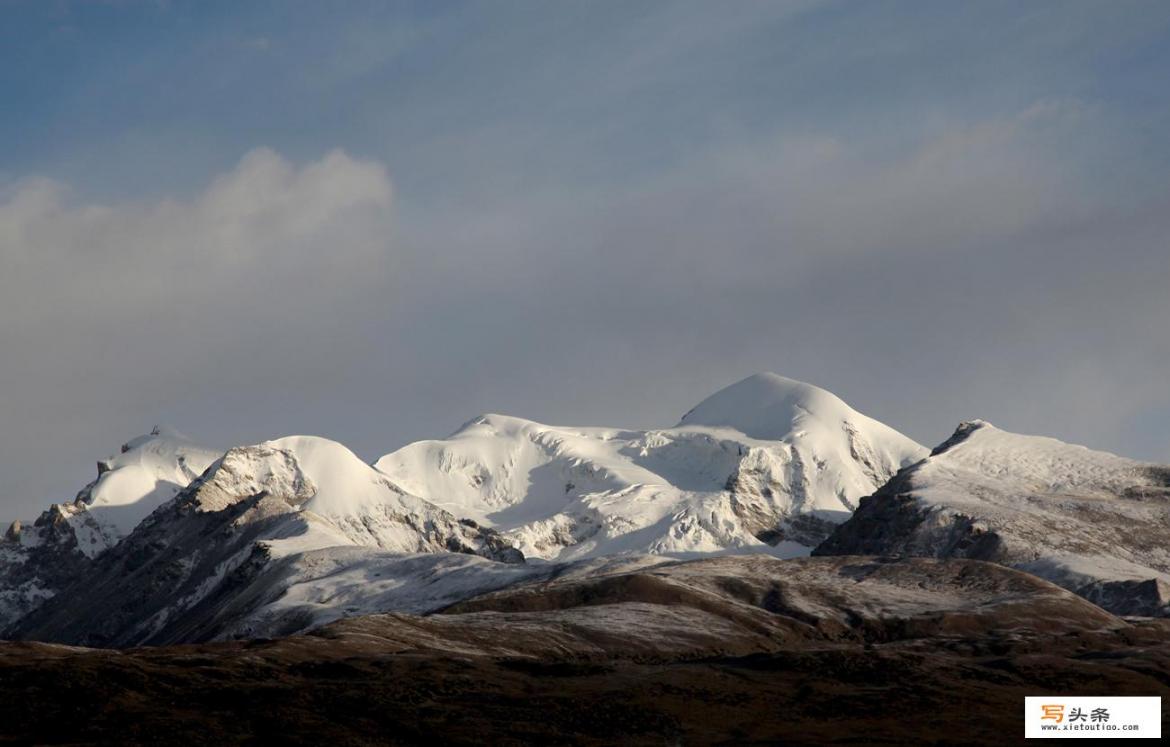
<point>734,649</point>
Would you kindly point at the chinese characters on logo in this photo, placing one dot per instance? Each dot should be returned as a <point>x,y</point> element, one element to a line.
<point>1055,712</point>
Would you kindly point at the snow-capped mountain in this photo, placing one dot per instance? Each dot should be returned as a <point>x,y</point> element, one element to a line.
<point>766,465</point>
<point>194,562</point>
<point>1087,520</point>
<point>38,559</point>
<point>290,533</point>
<point>149,471</point>
<point>175,543</point>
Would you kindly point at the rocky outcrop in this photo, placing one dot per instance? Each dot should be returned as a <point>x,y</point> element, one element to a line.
<point>1091,522</point>
<point>39,560</point>
<point>768,464</point>
<point>215,551</point>
<point>36,562</point>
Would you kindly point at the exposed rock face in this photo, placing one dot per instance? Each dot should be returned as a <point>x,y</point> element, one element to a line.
<point>38,561</point>
<point>765,463</point>
<point>203,558</point>
<point>1089,521</point>
<point>148,471</point>
<point>286,536</point>
<point>1148,598</point>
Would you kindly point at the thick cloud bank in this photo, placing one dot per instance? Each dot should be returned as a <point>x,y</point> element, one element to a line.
<point>112,312</point>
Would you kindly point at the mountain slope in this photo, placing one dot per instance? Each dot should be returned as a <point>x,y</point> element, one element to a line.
<point>731,650</point>
<point>207,556</point>
<point>766,465</point>
<point>290,534</point>
<point>149,471</point>
<point>1092,522</point>
<point>38,560</point>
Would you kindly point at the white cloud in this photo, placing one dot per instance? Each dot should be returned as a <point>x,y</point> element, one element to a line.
<point>261,251</point>
<point>110,314</point>
<point>324,224</point>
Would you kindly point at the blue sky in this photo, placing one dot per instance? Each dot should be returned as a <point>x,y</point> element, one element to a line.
<point>373,221</point>
<point>126,98</point>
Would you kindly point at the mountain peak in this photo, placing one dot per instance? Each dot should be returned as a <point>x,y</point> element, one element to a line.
<point>157,433</point>
<point>961,434</point>
<point>767,406</point>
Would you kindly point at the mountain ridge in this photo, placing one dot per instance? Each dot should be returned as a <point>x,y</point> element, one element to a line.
<point>1087,520</point>
<point>297,532</point>
<point>565,493</point>
<point>262,521</point>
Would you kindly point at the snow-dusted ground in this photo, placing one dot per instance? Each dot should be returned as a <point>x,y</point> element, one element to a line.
<point>320,586</point>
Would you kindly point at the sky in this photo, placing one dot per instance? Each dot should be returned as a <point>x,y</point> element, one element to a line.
<point>372,221</point>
